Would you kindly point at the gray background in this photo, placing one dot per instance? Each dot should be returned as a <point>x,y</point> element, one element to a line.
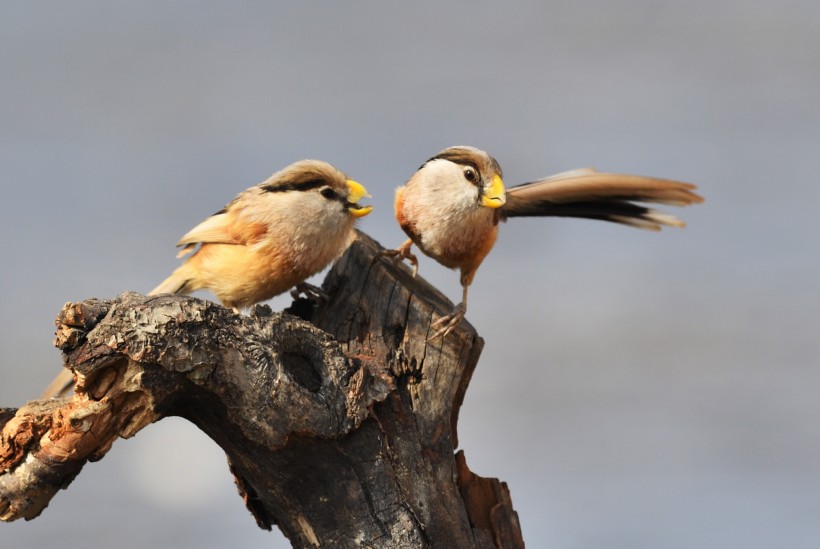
<point>637,390</point>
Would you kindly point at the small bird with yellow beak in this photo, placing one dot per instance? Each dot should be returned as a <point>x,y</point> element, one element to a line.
<point>270,238</point>
<point>450,208</point>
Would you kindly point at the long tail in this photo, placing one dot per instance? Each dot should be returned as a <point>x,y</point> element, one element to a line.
<point>612,197</point>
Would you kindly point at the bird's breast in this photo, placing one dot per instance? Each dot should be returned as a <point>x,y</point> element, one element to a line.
<point>456,239</point>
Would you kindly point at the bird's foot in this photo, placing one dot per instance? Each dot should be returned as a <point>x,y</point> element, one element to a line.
<point>310,291</point>
<point>446,324</point>
<point>402,253</point>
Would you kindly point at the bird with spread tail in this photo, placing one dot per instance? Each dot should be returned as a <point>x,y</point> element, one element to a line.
<point>451,206</point>
<point>270,238</point>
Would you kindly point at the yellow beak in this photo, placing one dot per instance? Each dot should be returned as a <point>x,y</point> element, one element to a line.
<point>496,195</point>
<point>355,192</point>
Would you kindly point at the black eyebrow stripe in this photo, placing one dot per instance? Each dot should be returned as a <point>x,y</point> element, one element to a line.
<point>460,159</point>
<point>339,198</point>
<point>295,186</point>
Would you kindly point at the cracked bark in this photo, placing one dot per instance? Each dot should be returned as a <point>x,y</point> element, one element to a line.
<point>341,431</point>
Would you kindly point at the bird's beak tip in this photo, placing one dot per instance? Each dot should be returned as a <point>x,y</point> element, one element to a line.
<point>355,192</point>
<point>359,211</point>
<point>496,195</point>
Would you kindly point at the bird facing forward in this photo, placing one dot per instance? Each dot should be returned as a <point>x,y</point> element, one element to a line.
<point>268,239</point>
<point>451,206</point>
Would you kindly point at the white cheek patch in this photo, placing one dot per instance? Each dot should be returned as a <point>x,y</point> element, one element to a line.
<point>453,219</point>
<point>451,194</point>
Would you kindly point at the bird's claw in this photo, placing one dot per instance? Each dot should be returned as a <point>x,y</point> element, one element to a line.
<point>402,253</point>
<point>447,323</point>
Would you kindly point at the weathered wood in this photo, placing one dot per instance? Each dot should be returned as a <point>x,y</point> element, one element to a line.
<point>341,432</point>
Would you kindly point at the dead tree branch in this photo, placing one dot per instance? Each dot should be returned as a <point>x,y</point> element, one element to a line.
<point>341,430</point>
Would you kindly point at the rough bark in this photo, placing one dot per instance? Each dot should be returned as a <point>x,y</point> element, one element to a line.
<point>341,430</point>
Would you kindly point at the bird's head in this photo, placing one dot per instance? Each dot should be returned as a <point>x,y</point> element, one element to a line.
<point>468,172</point>
<point>320,188</point>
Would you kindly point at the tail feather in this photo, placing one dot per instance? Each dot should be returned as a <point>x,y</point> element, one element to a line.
<point>178,283</point>
<point>60,385</point>
<point>608,197</point>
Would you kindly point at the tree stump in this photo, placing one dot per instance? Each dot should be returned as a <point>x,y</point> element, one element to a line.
<point>339,427</point>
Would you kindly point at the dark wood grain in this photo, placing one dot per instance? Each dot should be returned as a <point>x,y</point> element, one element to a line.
<point>341,430</point>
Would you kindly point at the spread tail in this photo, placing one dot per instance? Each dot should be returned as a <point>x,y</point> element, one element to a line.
<point>605,196</point>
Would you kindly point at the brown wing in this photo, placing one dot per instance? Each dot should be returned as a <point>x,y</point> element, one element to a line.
<point>225,227</point>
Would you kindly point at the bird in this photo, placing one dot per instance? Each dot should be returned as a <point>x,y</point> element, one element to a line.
<point>450,209</point>
<point>270,238</point>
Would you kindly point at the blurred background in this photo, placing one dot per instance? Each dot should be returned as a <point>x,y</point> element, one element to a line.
<point>637,390</point>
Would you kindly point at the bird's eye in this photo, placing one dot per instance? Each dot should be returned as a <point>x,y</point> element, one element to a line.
<point>329,193</point>
<point>470,175</point>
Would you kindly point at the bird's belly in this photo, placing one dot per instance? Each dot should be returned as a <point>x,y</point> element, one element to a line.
<point>454,248</point>
<point>241,276</point>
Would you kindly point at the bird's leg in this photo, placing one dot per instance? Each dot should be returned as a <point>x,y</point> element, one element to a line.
<point>446,323</point>
<point>403,252</point>
<point>309,291</point>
